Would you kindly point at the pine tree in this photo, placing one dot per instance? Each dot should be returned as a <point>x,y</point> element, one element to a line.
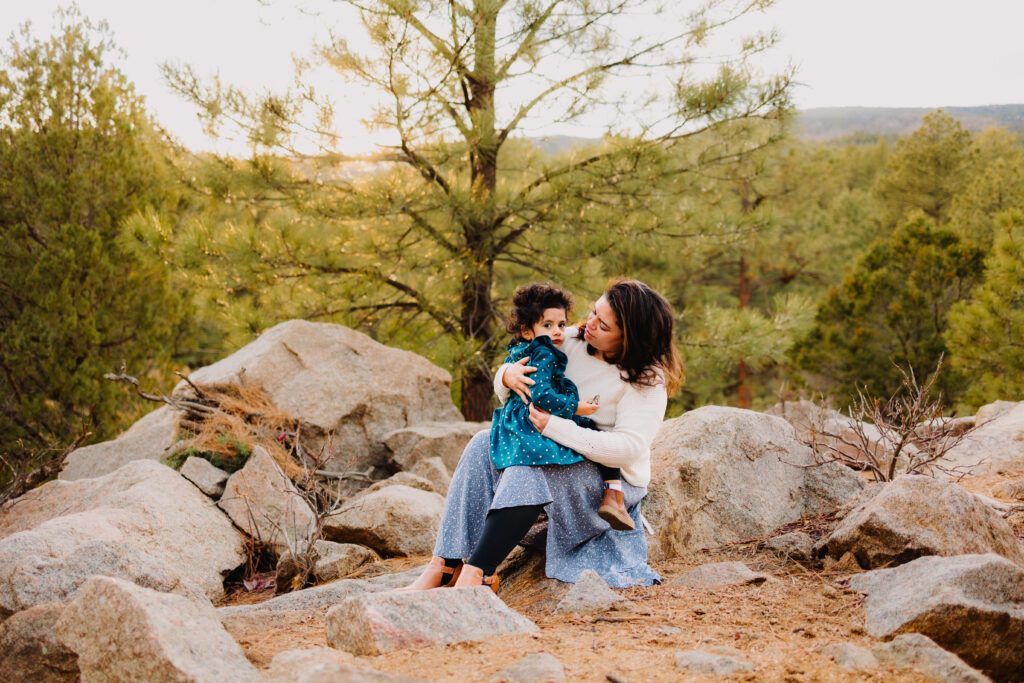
<point>986,333</point>
<point>76,158</point>
<point>428,249</point>
<point>891,311</point>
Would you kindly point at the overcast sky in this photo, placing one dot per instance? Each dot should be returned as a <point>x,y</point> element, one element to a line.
<point>891,53</point>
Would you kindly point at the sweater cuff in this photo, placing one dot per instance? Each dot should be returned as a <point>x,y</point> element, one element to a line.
<point>556,427</point>
<point>500,390</point>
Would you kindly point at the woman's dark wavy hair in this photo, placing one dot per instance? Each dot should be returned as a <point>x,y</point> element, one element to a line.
<point>529,303</point>
<point>648,354</point>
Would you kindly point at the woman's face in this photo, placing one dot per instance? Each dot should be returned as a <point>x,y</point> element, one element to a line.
<point>602,329</point>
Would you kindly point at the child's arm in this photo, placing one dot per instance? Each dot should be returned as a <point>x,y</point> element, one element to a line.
<point>543,393</point>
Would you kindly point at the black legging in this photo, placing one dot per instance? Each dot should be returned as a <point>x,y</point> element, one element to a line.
<point>503,528</point>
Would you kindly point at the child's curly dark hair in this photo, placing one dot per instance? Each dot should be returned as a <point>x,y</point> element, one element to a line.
<point>529,303</point>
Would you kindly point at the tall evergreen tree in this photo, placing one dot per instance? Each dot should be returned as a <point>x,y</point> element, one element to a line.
<point>77,156</point>
<point>469,204</point>
<point>986,333</point>
<point>891,310</point>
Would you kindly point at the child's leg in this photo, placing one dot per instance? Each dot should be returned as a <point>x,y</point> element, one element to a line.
<point>613,509</point>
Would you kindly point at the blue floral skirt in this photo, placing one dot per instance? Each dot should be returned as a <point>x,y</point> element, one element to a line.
<point>577,538</point>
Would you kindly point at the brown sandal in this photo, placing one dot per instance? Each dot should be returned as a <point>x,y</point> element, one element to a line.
<point>435,575</point>
<point>474,576</point>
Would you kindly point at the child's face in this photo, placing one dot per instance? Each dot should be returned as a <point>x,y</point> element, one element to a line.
<point>551,324</point>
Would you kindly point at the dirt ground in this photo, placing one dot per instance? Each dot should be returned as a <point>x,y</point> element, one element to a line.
<point>780,625</point>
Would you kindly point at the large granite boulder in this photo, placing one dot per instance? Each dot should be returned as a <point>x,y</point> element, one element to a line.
<point>724,474</point>
<point>377,623</point>
<point>408,446</point>
<point>49,563</point>
<point>833,431</point>
<point>30,651</point>
<point>162,515</point>
<point>340,383</point>
<point>121,631</point>
<point>148,439</point>
<point>971,605</point>
<point>996,443</point>
<point>393,521</point>
<point>915,515</point>
<point>262,501</point>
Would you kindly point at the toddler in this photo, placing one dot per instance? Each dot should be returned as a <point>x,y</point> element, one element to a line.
<point>537,323</point>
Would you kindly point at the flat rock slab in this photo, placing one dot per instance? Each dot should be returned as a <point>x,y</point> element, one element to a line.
<point>121,631</point>
<point>326,665</point>
<point>971,605</point>
<point>153,509</point>
<point>719,574</point>
<point>377,623</point>
<point>915,651</point>
<point>535,668</point>
<point>698,662</point>
<point>591,594</point>
<point>30,651</point>
<point>394,521</point>
<point>915,515</point>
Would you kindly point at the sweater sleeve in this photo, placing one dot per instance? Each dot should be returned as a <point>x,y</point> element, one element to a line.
<point>500,390</point>
<point>638,417</point>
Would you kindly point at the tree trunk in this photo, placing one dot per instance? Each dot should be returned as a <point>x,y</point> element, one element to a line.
<point>742,390</point>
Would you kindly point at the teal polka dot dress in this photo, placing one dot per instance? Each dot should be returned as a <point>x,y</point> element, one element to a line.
<point>514,440</point>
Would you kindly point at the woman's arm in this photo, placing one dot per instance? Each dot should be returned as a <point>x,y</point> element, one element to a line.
<point>638,416</point>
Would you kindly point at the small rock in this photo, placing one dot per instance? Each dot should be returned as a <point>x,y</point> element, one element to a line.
<point>376,623</point>
<point>971,605</point>
<point>535,668</point>
<point>915,651</point>
<point>325,665</point>
<point>30,651</point>
<point>434,471</point>
<point>394,521</point>
<point>413,481</point>
<point>795,545</point>
<point>334,561</point>
<point>121,631</point>
<point>444,440</point>
<point>590,594</point>
<point>850,657</point>
<point>1012,489</point>
<point>209,479</point>
<point>719,574</point>
<point>697,662</point>
<point>668,630</point>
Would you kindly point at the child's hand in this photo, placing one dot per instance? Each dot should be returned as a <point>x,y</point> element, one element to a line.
<point>587,407</point>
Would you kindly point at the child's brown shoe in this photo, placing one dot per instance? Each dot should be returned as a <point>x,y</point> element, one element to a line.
<point>613,511</point>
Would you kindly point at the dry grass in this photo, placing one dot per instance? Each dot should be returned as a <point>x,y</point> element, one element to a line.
<point>246,418</point>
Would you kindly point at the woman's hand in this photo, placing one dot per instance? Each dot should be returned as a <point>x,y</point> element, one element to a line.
<point>515,378</point>
<point>539,418</point>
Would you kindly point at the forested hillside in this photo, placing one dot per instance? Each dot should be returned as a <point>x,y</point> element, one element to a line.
<point>795,265</point>
<point>830,123</point>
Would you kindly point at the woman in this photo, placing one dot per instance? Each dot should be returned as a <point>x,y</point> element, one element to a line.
<point>625,353</point>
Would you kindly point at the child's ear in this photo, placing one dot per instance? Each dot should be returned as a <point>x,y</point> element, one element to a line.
<point>526,334</point>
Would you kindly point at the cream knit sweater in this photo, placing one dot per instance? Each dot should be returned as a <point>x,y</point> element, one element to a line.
<point>629,416</point>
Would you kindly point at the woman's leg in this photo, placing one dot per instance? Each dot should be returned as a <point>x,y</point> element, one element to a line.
<point>465,512</point>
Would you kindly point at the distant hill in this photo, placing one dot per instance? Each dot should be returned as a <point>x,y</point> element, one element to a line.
<point>827,123</point>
